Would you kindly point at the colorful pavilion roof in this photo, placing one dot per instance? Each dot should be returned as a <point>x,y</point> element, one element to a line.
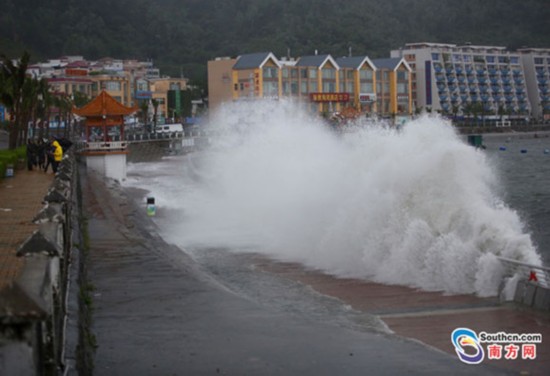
<point>104,104</point>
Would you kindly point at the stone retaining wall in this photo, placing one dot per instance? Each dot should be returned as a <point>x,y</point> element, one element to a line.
<point>38,319</point>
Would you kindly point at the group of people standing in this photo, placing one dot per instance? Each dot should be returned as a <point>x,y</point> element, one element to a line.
<point>43,153</point>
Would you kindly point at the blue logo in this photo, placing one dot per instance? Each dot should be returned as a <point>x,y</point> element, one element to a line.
<point>466,339</point>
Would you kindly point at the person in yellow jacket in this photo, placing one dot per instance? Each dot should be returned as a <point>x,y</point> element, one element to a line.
<point>57,152</point>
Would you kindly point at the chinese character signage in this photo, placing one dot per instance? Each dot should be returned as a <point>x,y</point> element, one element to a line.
<point>329,97</point>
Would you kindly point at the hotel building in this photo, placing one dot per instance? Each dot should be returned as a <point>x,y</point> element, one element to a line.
<point>319,82</point>
<point>536,66</point>
<point>458,79</point>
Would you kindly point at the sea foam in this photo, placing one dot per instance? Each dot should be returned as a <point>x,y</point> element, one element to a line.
<point>414,206</point>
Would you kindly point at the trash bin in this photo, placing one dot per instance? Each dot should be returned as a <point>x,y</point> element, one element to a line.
<point>151,209</point>
<point>9,170</point>
<point>475,140</point>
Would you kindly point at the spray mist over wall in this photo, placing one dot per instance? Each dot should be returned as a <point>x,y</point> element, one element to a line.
<point>415,206</point>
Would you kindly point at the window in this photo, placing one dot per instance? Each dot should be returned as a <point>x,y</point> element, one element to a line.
<point>491,59</point>
<point>294,87</point>
<point>270,72</point>
<point>366,87</point>
<point>303,87</point>
<point>286,88</point>
<point>303,73</point>
<point>313,86</point>
<point>293,73</point>
<point>365,74</point>
<point>112,85</point>
<point>313,73</point>
<point>329,73</point>
<point>539,60</point>
<point>349,74</point>
<point>285,72</point>
<point>401,88</point>
<point>270,89</point>
<point>386,75</point>
<point>386,87</point>
<point>402,75</point>
<point>329,87</point>
<point>435,57</point>
<point>175,86</point>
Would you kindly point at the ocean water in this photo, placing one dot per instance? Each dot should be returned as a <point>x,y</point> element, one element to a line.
<point>415,206</point>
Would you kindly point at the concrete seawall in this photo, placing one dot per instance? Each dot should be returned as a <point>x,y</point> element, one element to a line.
<point>39,308</point>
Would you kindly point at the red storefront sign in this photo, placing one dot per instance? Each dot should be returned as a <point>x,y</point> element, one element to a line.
<point>329,97</point>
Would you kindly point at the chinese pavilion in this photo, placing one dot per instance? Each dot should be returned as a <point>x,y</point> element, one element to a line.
<point>105,119</point>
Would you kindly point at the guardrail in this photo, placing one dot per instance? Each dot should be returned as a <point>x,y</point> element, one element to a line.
<point>104,146</point>
<point>534,274</point>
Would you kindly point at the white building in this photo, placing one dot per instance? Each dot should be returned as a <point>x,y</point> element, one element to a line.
<point>536,65</point>
<point>458,79</point>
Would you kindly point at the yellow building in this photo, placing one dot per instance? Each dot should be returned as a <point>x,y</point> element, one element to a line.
<point>393,88</point>
<point>166,88</point>
<point>115,83</point>
<point>355,85</point>
<point>256,76</point>
<point>220,83</point>
<point>358,78</point>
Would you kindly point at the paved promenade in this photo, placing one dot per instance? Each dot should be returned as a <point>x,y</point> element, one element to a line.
<point>157,313</point>
<point>21,199</point>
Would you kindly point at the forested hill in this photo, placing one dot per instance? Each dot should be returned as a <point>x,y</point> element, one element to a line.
<point>182,35</point>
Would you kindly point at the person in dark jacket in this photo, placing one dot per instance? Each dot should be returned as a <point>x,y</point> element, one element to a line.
<point>31,154</point>
<point>41,153</point>
<point>48,151</point>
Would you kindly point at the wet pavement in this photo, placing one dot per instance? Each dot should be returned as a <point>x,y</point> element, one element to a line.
<point>21,198</point>
<point>430,317</point>
<point>156,312</point>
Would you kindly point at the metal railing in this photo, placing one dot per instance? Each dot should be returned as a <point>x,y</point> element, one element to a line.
<point>535,274</point>
<point>104,146</point>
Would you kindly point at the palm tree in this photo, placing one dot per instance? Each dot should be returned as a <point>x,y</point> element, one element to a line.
<point>12,80</point>
<point>155,104</point>
<point>144,108</point>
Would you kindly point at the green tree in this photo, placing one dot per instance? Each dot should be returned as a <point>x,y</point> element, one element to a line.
<point>12,80</point>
